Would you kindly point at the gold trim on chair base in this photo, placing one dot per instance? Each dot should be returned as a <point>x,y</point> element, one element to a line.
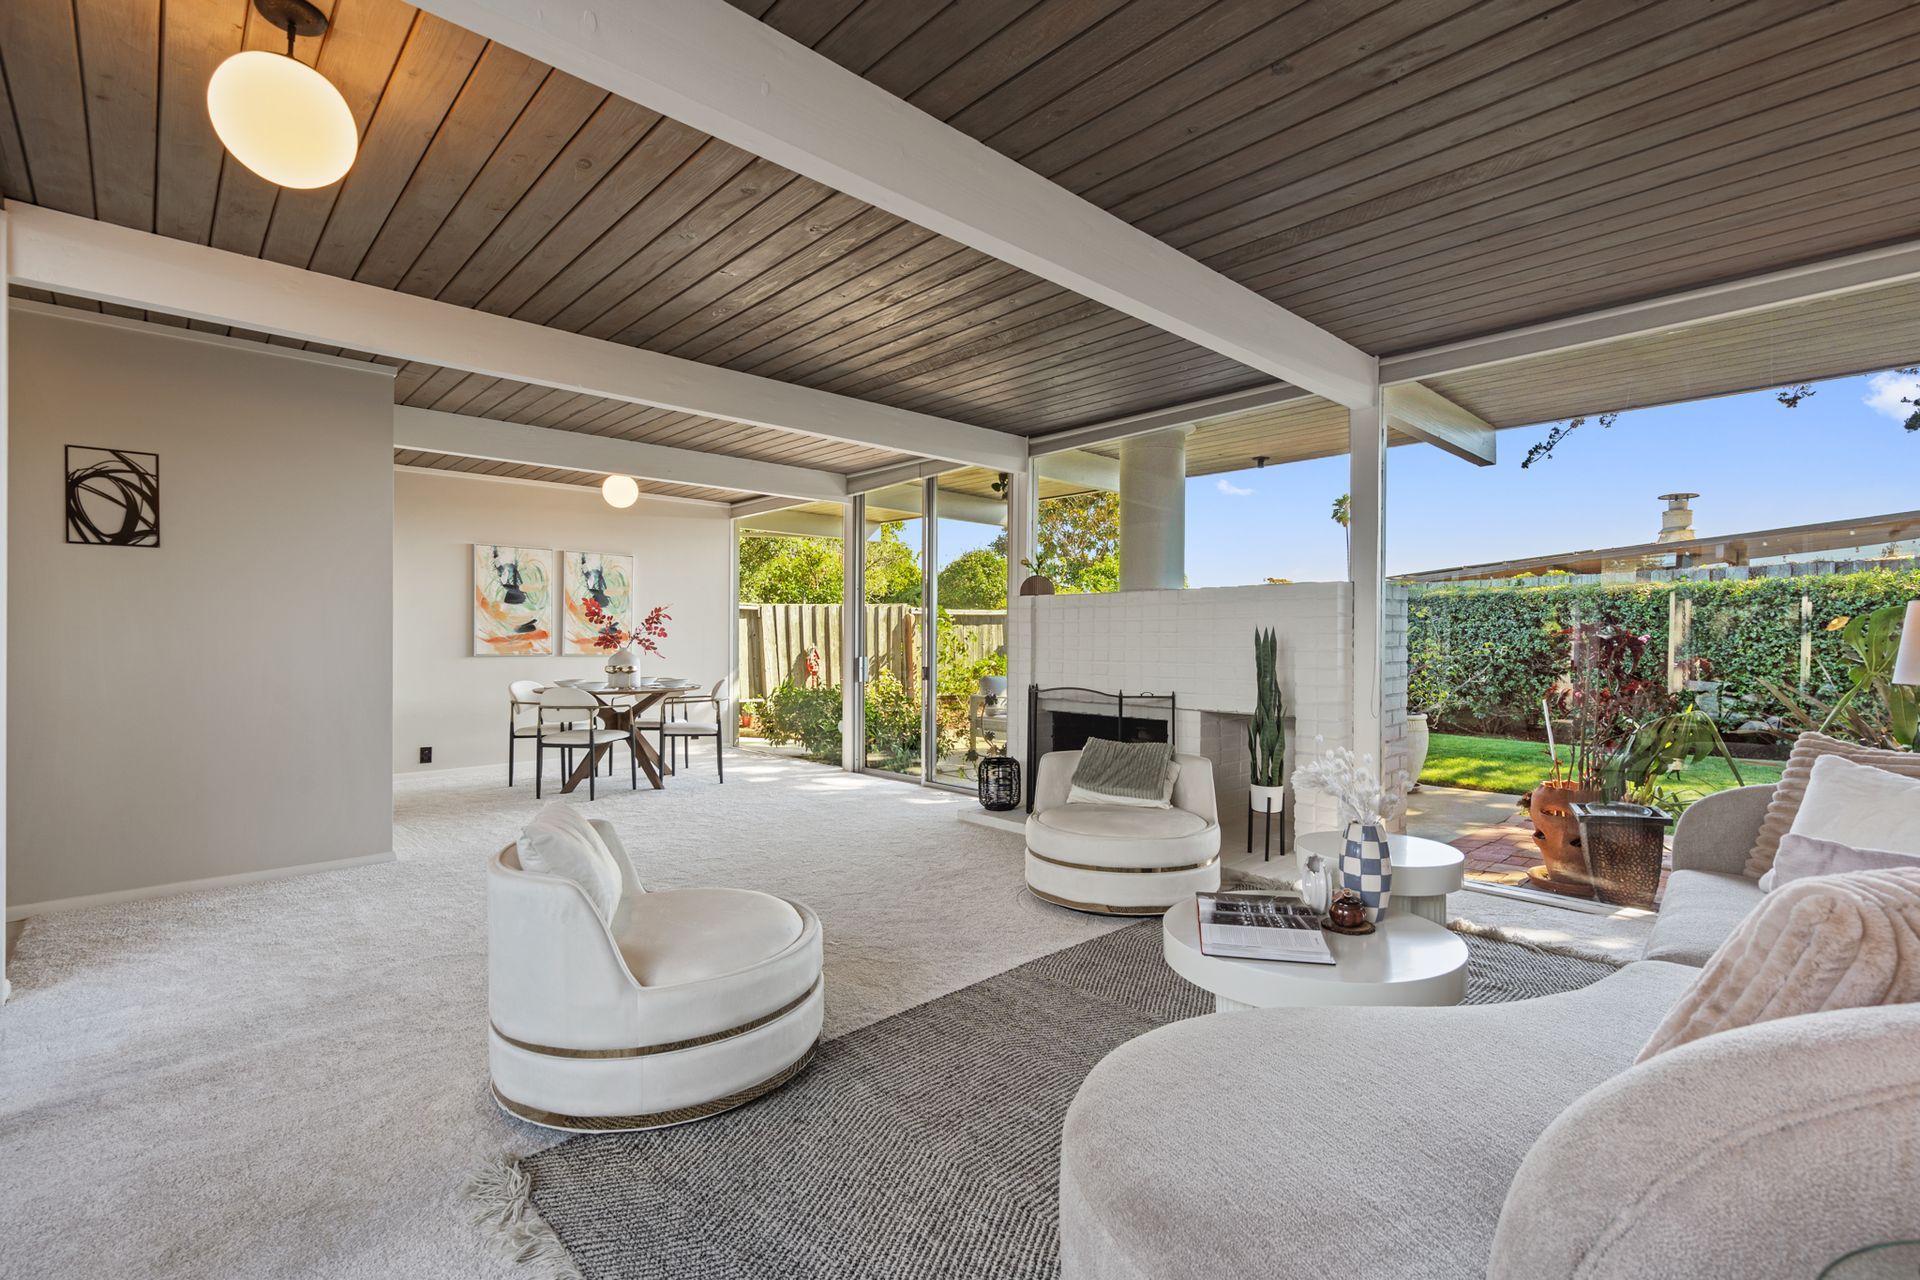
<point>1125,871</point>
<point>647,1051</point>
<point>1097,908</point>
<point>659,1119</point>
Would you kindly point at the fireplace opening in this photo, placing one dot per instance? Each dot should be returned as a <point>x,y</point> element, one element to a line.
<point>1072,729</point>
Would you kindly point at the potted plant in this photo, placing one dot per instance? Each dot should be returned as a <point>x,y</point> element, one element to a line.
<point>1267,731</point>
<point>1603,695</point>
<point>1037,583</point>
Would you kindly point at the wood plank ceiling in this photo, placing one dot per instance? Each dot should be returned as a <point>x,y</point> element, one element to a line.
<point>1402,172</point>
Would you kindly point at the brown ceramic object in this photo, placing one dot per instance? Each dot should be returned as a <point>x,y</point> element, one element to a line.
<point>1348,911</point>
<point>1557,832</point>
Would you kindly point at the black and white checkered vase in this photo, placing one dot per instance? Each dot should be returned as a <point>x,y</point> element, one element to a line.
<point>1365,867</point>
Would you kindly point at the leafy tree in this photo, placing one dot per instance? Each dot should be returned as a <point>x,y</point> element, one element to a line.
<point>976,580</point>
<point>893,568</point>
<point>1079,542</point>
<point>780,570</point>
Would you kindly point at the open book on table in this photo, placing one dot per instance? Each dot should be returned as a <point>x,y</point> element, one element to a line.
<point>1258,926</point>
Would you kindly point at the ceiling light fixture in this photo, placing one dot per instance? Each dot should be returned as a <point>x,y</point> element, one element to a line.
<point>277,115</point>
<point>620,491</point>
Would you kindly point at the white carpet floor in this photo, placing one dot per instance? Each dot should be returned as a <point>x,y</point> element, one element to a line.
<point>289,1079</point>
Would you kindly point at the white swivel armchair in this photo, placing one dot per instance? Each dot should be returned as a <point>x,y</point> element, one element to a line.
<point>1122,860</point>
<point>615,1008</point>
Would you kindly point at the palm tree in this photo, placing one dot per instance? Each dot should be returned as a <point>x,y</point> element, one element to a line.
<point>1343,516</point>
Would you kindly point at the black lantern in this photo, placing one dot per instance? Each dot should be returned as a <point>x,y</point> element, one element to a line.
<point>999,784</point>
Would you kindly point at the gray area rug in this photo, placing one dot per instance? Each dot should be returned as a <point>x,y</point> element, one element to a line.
<point>926,1145</point>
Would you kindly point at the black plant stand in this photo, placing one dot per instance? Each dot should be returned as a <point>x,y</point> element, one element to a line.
<point>1267,853</point>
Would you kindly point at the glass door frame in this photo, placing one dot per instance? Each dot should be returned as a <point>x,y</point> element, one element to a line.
<point>853,701</point>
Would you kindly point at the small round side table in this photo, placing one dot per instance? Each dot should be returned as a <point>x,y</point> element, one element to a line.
<point>1424,871</point>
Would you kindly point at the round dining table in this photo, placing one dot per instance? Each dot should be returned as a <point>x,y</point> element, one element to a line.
<point>620,710</point>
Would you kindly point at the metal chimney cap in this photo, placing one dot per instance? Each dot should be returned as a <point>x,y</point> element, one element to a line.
<point>1677,497</point>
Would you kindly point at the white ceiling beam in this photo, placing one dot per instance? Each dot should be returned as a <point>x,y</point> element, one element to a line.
<point>432,431</point>
<point>746,507</point>
<point>722,71</point>
<point>69,254</point>
<point>1425,414</point>
<point>1078,467</point>
<point>1826,279</point>
<point>793,524</point>
<point>1179,415</point>
<point>898,473</point>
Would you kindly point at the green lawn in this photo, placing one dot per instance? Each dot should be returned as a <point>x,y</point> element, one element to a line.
<point>1514,766</point>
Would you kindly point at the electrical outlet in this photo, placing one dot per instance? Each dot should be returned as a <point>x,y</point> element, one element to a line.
<point>426,755</point>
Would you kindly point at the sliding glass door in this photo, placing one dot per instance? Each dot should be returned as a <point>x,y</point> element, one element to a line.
<point>968,620</point>
<point>893,624</point>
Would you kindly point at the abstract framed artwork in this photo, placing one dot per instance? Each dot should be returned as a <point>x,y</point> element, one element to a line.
<point>113,497</point>
<point>599,600</point>
<point>512,601</point>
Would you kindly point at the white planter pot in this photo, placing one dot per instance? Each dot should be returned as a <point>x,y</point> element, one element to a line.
<point>1264,796</point>
<point>1418,739</point>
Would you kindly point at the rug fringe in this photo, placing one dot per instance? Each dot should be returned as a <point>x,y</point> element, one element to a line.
<point>1502,933</point>
<point>502,1193</point>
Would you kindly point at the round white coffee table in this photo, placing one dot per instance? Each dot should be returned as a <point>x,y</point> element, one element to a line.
<point>1406,960</point>
<point>1424,871</point>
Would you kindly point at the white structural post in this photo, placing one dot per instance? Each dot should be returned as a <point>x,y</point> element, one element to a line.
<point>5,393</point>
<point>1153,511</point>
<point>853,637</point>
<point>1366,570</point>
<point>1023,542</point>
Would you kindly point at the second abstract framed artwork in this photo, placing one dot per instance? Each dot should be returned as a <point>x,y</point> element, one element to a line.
<point>598,609</point>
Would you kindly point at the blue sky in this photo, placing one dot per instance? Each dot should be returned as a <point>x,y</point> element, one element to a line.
<point>1756,465</point>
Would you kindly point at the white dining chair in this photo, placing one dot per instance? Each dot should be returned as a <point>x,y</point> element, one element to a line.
<point>523,718</point>
<point>561,707</point>
<point>697,717</point>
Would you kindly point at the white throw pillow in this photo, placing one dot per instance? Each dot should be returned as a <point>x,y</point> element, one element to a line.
<point>1802,856</point>
<point>560,842</point>
<point>1860,806</point>
<point>1080,795</point>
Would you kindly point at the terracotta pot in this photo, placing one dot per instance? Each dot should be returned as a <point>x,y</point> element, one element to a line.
<point>1557,832</point>
<point>1037,585</point>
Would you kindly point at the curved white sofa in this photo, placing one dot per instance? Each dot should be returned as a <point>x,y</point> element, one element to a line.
<point>1513,1141</point>
<point>675,1006</point>
<point>1121,859</point>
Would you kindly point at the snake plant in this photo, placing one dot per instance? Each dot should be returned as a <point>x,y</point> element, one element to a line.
<point>1267,733</point>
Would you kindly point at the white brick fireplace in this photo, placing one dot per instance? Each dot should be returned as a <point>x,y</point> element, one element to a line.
<point>1198,645</point>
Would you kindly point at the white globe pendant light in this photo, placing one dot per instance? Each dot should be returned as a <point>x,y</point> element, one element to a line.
<point>620,491</point>
<point>277,115</point>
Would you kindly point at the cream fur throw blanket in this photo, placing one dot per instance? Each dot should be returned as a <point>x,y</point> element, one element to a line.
<point>1826,942</point>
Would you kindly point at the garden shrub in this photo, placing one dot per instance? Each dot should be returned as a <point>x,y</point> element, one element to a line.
<point>1480,659</point>
<point>811,718</point>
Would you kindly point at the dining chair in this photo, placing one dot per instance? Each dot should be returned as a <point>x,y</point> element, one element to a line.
<point>523,717</point>
<point>560,707</point>
<point>696,717</point>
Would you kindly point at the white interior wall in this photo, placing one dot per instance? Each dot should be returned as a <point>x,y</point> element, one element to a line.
<point>216,707</point>
<point>456,703</point>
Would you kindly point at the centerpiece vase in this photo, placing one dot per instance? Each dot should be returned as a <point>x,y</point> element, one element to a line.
<point>623,670</point>
<point>1366,866</point>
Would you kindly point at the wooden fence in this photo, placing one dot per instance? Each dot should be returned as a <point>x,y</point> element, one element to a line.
<point>775,640</point>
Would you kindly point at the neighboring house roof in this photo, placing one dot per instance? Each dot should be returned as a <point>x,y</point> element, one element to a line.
<point>1731,548</point>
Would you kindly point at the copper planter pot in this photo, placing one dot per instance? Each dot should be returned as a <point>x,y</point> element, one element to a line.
<point>1557,832</point>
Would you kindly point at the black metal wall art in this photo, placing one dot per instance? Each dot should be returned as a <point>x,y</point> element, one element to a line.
<point>113,497</point>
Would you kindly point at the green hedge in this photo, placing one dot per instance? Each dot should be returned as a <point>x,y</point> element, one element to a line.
<point>1482,658</point>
